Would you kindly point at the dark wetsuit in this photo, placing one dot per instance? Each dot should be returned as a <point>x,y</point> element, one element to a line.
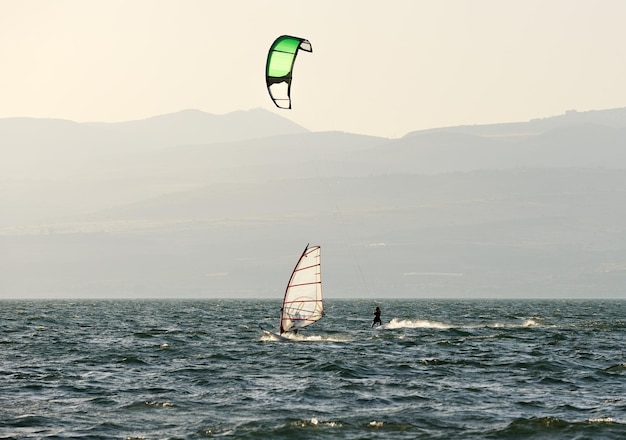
<point>377,317</point>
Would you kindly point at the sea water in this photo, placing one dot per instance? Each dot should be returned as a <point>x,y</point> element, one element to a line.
<point>203,369</point>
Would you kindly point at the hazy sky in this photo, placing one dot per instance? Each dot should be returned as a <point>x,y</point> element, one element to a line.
<point>381,68</point>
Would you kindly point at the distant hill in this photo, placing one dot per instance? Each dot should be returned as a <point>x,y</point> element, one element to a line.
<point>577,145</point>
<point>609,118</point>
<point>158,207</point>
<point>258,137</point>
<point>594,138</point>
<point>55,167</point>
<point>189,127</point>
<point>34,138</point>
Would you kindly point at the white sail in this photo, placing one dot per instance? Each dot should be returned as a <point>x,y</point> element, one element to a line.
<point>303,304</point>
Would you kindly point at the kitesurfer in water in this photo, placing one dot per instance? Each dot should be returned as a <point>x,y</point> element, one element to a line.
<point>377,317</point>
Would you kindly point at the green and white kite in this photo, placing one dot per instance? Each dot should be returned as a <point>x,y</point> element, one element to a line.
<point>279,67</point>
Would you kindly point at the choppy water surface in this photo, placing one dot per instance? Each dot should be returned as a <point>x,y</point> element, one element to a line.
<point>202,369</point>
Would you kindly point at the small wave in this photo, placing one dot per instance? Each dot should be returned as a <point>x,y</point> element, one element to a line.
<point>159,404</point>
<point>549,426</point>
<point>528,323</point>
<point>600,420</point>
<point>316,422</point>
<point>535,424</point>
<point>150,403</point>
<point>432,361</point>
<point>133,360</point>
<point>616,368</point>
<point>150,333</point>
<point>396,323</point>
<point>299,337</point>
<point>269,338</point>
<point>27,420</point>
<point>320,338</point>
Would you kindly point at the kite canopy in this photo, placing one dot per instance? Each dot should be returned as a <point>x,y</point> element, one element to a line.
<point>279,67</point>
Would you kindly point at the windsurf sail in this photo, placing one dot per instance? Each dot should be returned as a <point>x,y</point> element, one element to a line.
<point>279,67</point>
<point>303,304</point>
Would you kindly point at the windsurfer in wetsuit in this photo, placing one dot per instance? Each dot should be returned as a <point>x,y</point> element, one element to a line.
<point>377,317</point>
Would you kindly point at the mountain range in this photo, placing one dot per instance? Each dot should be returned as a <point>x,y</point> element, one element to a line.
<point>192,204</point>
